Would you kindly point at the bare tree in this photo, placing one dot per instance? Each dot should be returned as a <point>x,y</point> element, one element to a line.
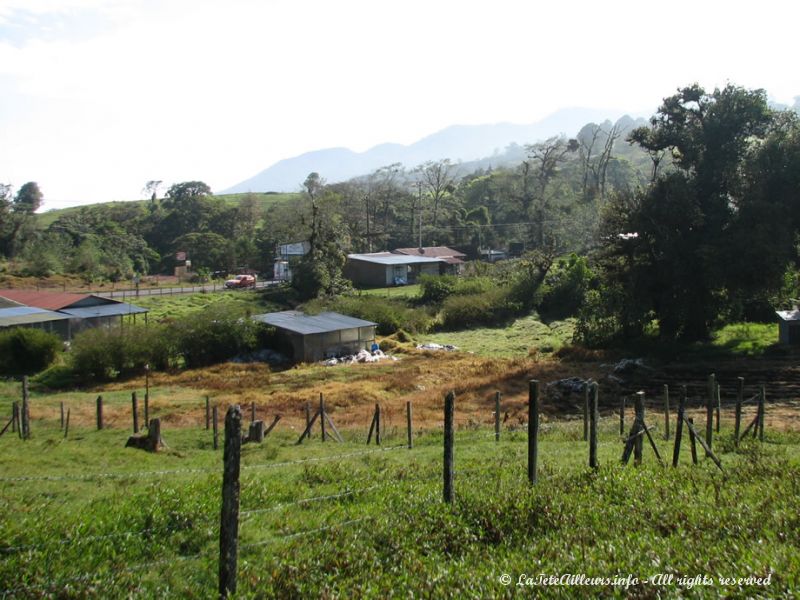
<point>438,179</point>
<point>151,189</point>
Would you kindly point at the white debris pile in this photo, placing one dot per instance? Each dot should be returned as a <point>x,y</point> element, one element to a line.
<point>435,346</point>
<point>363,356</point>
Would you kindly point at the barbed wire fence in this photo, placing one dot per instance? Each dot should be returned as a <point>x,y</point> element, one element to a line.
<point>232,517</point>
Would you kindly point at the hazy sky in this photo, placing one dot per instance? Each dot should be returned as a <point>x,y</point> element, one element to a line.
<point>99,96</point>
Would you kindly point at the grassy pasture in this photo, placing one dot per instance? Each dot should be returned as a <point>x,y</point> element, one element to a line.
<point>326,520</point>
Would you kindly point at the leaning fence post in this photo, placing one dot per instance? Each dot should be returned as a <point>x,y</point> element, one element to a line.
<point>719,403</point>
<point>586,412</point>
<point>135,410</point>
<point>666,411</point>
<point>679,427</point>
<point>229,521</point>
<point>99,413</point>
<point>692,440</point>
<point>497,416</point>
<point>62,415</point>
<point>762,396</point>
<point>593,429</point>
<point>638,442</point>
<point>712,386</point>
<point>408,422</point>
<point>215,415</point>
<point>533,428</point>
<point>449,413</point>
<point>739,400</point>
<point>26,410</point>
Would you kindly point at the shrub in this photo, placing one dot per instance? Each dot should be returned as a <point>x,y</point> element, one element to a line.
<point>102,354</point>
<point>487,308</point>
<point>25,351</point>
<point>390,315</point>
<point>214,336</point>
<point>565,287</point>
<point>436,289</point>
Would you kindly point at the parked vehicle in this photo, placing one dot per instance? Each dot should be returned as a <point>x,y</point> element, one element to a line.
<point>241,281</point>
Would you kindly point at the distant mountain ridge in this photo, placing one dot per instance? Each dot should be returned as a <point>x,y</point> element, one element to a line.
<point>463,143</point>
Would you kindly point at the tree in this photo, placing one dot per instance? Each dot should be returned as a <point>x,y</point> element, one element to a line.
<point>438,180</point>
<point>28,199</point>
<point>675,245</point>
<point>151,189</point>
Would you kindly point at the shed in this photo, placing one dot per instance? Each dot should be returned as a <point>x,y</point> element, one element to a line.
<point>452,260</point>
<point>315,337</point>
<point>380,269</point>
<point>83,310</point>
<point>789,326</point>
<point>37,318</point>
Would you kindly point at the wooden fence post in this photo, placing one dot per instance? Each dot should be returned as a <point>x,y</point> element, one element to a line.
<point>229,521</point>
<point>215,416</point>
<point>739,399</point>
<point>586,412</point>
<point>638,443</point>
<point>718,402</point>
<point>693,443</point>
<point>712,386</point>
<point>135,410</point>
<point>762,410</point>
<point>99,413</point>
<point>593,429</point>
<point>449,413</point>
<point>308,414</point>
<point>497,416</point>
<point>533,429</point>
<point>66,424</point>
<point>622,417</point>
<point>666,412</point>
<point>378,424</point>
<point>15,418</point>
<point>253,412</point>
<point>147,410</point>
<point>322,415</point>
<point>208,413</point>
<point>679,427</point>
<point>62,415</point>
<point>408,422</point>
<point>26,410</point>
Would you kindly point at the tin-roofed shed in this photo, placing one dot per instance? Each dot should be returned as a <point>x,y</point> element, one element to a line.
<point>315,337</point>
<point>37,318</point>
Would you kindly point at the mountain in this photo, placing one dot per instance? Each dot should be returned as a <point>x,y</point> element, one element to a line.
<point>458,143</point>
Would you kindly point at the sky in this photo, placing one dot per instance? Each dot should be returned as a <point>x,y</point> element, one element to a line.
<point>97,97</point>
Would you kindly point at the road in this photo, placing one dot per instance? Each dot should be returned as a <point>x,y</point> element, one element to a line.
<point>169,291</point>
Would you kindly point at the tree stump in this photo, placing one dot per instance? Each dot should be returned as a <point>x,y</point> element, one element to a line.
<point>151,442</point>
<point>256,432</point>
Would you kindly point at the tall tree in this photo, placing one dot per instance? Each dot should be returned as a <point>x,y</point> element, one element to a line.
<point>28,199</point>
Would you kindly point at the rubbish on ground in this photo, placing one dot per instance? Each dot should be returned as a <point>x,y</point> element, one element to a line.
<point>435,346</point>
<point>363,356</point>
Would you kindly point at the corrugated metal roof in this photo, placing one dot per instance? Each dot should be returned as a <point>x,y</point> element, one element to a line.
<point>104,310</point>
<point>298,322</point>
<point>383,258</point>
<point>789,315</point>
<point>48,300</point>
<point>431,251</point>
<point>24,315</point>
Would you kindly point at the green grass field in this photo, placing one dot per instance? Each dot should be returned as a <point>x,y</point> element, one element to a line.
<point>84,517</point>
<point>523,336</point>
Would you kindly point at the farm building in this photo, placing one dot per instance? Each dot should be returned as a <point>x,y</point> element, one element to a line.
<point>36,318</point>
<point>82,311</point>
<point>789,326</point>
<point>452,260</point>
<point>380,269</point>
<point>315,337</point>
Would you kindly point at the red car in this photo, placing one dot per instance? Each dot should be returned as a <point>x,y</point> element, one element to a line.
<point>241,281</point>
